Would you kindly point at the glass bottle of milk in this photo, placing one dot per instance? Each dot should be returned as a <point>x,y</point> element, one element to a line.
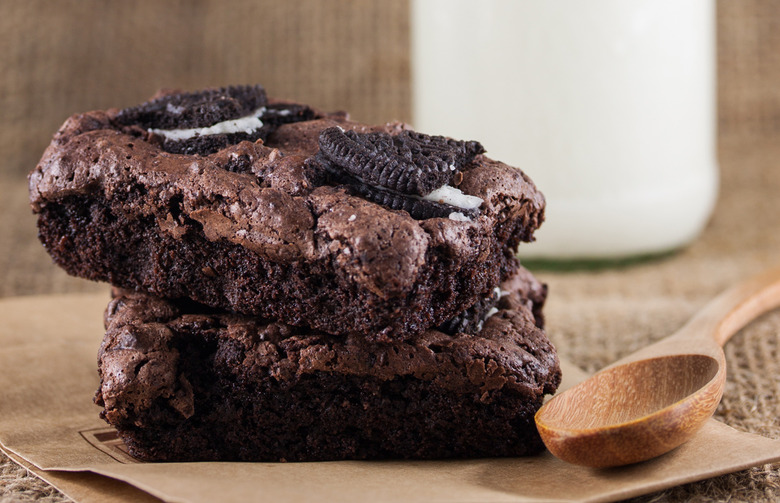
<point>608,105</point>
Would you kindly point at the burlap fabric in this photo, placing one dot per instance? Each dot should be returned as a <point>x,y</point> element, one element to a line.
<point>68,56</point>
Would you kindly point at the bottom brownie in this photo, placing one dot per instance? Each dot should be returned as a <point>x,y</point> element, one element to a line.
<point>181,383</point>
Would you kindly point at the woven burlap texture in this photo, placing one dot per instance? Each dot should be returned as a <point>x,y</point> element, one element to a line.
<point>90,54</point>
<point>354,55</point>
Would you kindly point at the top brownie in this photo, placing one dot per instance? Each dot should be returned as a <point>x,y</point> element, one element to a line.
<point>276,209</point>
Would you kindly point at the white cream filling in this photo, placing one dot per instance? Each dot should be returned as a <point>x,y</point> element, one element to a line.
<point>493,310</point>
<point>458,217</point>
<point>448,194</point>
<point>246,124</point>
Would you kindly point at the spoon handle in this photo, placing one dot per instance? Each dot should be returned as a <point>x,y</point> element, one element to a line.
<point>730,311</point>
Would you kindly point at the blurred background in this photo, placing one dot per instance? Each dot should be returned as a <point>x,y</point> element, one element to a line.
<point>69,56</point>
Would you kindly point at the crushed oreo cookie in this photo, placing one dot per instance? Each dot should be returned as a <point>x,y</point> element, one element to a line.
<point>471,320</point>
<point>419,209</point>
<point>206,121</point>
<point>195,110</point>
<point>409,163</point>
<point>410,171</point>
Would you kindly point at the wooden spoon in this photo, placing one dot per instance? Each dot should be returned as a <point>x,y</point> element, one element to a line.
<point>655,399</point>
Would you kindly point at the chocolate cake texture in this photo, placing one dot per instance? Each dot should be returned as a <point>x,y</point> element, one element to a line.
<point>181,382</point>
<point>292,285</point>
<point>278,210</point>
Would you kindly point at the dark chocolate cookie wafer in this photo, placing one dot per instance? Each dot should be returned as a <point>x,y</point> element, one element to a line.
<point>472,319</point>
<point>207,121</point>
<point>408,171</point>
<point>252,228</point>
<point>180,384</point>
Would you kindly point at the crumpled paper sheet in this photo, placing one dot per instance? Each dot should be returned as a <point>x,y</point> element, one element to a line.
<point>48,348</point>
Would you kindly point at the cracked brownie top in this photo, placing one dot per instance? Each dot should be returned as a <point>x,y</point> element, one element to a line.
<point>292,183</point>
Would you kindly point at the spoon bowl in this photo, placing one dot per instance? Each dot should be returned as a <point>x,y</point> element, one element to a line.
<point>657,398</point>
<point>593,425</point>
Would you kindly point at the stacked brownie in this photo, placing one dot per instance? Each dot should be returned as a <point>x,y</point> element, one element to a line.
<point>293,285</point>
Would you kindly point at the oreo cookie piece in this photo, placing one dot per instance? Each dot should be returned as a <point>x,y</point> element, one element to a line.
<point>409,171</point>
<point>195,109</point>
<point>471,320</point>
<point>532,296</point>
<point>417,208</point>
<point>409,162</point>
<point>207,121</point>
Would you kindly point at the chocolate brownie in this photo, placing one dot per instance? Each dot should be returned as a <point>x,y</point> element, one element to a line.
<point>278,210</point>
<point>181,382</point>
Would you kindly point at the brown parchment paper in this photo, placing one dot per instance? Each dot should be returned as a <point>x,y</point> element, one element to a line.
<point>48,376</point>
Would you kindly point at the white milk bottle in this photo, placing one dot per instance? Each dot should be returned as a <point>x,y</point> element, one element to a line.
<point>608,105</point>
